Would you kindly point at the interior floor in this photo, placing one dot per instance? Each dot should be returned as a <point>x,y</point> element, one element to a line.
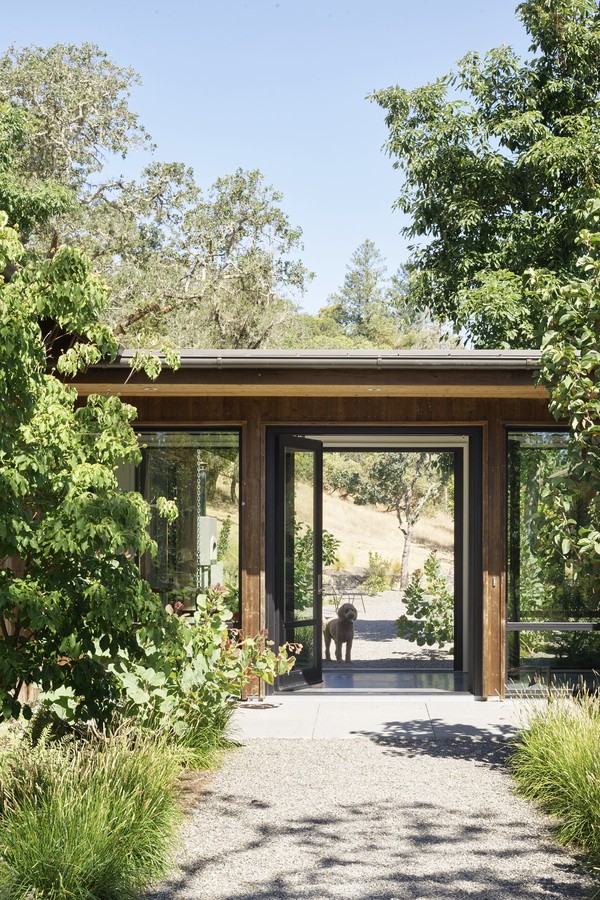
<point>369,681</point>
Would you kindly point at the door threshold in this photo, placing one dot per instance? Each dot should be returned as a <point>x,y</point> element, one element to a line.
<point>387,681</point>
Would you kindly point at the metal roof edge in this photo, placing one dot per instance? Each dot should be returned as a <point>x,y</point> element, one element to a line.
<point>344,359</point>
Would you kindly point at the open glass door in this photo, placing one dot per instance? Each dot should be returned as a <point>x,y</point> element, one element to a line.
<point>299,555</point>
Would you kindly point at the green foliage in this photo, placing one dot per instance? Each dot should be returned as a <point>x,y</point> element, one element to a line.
<point>372,310</point>
<point>499,156</point>
<point>381,574</point>
<point>78,99</point>
<point>431,605</point>
<point>556,763</point>
<point>571,372</point>
<point>223,541</point>
<point>185,268</point>
<point>28,199</point>
<point>69,533</point>
<point>405,482</point>
<point>183,688</point>
<point>91,821</point>
<point>303,562</point>
<point>361,298</point>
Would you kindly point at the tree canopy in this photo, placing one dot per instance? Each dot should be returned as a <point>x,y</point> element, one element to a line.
<point>70,587</point>
<point>499,159</point>
<point>372,310</point>
<point>184,266</point>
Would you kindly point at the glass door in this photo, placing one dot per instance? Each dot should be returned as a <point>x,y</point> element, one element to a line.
<point>299,555</point>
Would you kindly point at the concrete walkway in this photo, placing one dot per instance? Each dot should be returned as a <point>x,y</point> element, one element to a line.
<point>370,798</point>
<point>435,717</point>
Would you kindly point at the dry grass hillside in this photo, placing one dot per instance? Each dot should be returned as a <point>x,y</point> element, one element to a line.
<point>360,529</point>
<point>364,529</point>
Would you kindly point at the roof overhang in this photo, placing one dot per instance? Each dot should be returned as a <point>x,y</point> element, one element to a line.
<point>339,373</point>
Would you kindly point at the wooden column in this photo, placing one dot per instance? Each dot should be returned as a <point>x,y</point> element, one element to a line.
<point>494,560</point>
<point>252,528</point>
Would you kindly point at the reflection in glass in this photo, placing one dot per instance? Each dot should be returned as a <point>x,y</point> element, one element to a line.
<point>543,664</point>
<point>302,634</point>
<point>299,536</point>
<point>541,586</point>
<point>200,472</point>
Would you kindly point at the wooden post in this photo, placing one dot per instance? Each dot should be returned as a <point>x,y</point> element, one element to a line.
<point>252,528</point>
<point>494,562</point>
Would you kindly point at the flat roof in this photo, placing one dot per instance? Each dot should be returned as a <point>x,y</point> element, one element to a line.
<point>345,359</point>
<point>325,373</point>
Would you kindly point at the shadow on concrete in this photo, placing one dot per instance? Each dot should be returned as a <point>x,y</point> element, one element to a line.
<point>425,735</point>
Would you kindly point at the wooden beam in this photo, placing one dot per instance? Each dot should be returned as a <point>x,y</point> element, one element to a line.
<point>252,530</point>
<point>372,390</point>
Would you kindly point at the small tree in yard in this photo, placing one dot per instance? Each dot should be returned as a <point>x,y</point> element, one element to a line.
<point>403,482</point>
<point>69,586</point>
<point>431,606</point>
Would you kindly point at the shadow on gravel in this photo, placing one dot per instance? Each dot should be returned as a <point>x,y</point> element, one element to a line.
<point>424,851</point>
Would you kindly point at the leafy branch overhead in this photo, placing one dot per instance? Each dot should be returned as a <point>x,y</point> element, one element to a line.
<point>501,164</point>
<point>499,158</point>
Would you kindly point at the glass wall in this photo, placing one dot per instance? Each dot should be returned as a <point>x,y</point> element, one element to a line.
<point>553,618</point>
<point>200,472</point>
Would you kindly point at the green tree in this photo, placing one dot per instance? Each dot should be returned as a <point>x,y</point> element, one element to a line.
<point>183,267</point>
<point>70,588</point>
<point>403,482</point>
<point>499,158</point>
<point>415,326</point>
<point>359,306</point>
<point>431,606</point>
<point>372,310</point>
<point>571,372</point>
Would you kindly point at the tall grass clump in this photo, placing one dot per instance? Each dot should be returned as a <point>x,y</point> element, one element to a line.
<point>557,763</point>
<point>92,821</point>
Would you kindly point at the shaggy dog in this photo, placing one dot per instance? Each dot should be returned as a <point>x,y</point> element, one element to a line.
<point>341,631</point>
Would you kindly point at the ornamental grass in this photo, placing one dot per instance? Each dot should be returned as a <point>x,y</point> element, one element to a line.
<point>556,763</point>
<point>92,821</point>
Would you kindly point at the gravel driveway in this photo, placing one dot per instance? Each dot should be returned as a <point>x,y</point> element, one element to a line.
<point>368,819</point>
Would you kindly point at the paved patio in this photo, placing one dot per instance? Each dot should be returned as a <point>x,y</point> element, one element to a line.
<point>431,717</point>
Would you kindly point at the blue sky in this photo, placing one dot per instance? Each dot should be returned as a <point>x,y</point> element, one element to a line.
<point>280,85</point>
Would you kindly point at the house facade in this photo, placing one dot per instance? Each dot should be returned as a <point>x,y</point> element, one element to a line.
<point>231,433</point>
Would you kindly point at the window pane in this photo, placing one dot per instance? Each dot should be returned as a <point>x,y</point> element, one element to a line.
<point>541,587</point>
<point>552,658</point>
<point>303,634</point>
<point>299,537</point>
<point>200,471</point>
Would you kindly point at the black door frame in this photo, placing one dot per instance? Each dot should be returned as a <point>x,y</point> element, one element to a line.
<point>300,675</point>
<point>474,574</point>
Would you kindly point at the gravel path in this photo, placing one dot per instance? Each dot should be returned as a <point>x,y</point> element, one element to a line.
<point>376,640</point>
<point>368,820</point>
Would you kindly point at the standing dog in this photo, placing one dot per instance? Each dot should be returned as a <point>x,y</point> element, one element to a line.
<point>341,631</point>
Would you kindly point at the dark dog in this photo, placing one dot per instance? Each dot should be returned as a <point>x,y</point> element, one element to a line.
<point>341,631</point>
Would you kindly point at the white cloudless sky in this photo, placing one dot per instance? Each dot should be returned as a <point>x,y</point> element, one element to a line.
<point>280,85</point>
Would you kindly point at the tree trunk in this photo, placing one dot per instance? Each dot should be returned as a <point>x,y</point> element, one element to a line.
<point>408,536</point>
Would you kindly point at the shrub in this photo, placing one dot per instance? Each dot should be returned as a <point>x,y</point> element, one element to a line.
<point>381,574</point>
<point>185,689</point>
<point>431,604</point>
<point>92,821</point>
<point>557,764</point>
<point>303,561</point>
